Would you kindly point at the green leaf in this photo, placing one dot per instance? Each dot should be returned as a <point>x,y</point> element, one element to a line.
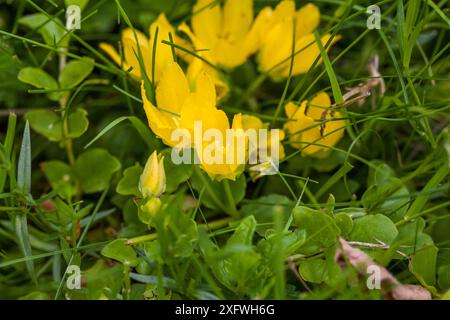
<point>389,197</point>
<point>129,184</point>
<point>291,241</point>
<point>102,280</point>
<point>423,265</point>
<point>75,72</point>
<point>60,177</point>
<point>337,94</point>
<point>264,209</point>
<point>371,228</point>
<point>65,213</point>
<point>241,258</point>
<point>46,122</point>
<point>80,3</point>
<point>35,295</point>
<point>40,79</point>
<point>118,250</point>
<point>147,136</point>
<point>334,179</point>
<point>380,173</point>
<point>24,165</point>
<point>51,32</point>
<point>244,232</point>
<point>185,234</point>
<point>313,270</point>
<point>23,238</point>
<point>8,146</point>
<point>411,237</point>
<point>321,230</point>
<point>78,123</point>
<point>444,277</point>
<point>422,199</point>
<point>175,174</point>
<point>214,193</point>
<point>94,168</point>
<point>344,223</point>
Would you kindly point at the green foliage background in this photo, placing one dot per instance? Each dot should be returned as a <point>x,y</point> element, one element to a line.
<point>68,181</point>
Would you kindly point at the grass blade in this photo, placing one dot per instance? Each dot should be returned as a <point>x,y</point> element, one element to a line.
<point>23,237</point>
<point>337,93</point>
<point>141,128</point>
<point>24,166</point>
<point>9,141</point>
<point>24,184</point>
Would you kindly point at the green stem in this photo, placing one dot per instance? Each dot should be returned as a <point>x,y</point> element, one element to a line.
<point>214,225</point>
<point>210,191</point>
<point>127,283</point>
<point>251,89</point>
<point>230,198</point>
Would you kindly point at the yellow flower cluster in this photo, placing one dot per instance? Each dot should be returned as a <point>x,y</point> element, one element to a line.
<point>224,37</point>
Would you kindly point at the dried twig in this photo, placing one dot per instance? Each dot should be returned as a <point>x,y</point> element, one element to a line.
<point>293,268</point>
<point>360,93</point>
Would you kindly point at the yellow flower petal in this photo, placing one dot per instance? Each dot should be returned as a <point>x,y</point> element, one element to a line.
<point>237,18</point>
<point>184,28</point>
<point>132,49</point>
<point>258,30</point>
<point>318,105</point>
<point>305,130</point>
<point>207,22</point>
<point>285,10</point>
<point>251,122</point>
<point>204,89</point>
<point>112,52</point>
<point>195,109</point>
<point>229,55</point>
<point>162,123</point>
<point>172,88</point>
<point>334,129</point>
<point>307,19</point>
<point>304,59</point>
<point>276,48</point>
<point>290,109</point>
<point>196,67</point>
<point>163,51</point>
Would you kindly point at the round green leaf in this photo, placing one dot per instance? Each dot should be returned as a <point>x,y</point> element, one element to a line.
<point>321,229</point>
<point>75,72</point>
<point>372,228</point>
<point>77,123</point>
<point>58,174</point>
<point>94,168</point>
<point>40,79</point>
<point>46,122</point>
<point>129,184</point>
<point>264,209</point>
<point>120,251</point>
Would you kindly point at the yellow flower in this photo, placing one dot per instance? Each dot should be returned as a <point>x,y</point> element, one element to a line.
<point>222,155</point>
<point>152,182</point>
<point>275,35</point>
<point>131,48</point>
<point>305,126</point>
<point>252,122</point>
<point>196,66</point>
<point>226,35</point>
<point>173,93</point>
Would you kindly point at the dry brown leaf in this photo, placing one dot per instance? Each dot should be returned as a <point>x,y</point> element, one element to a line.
<point>392,288</point>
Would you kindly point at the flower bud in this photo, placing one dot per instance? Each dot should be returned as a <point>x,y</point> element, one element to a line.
<point>153,180</point>
<point>149,210</point>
